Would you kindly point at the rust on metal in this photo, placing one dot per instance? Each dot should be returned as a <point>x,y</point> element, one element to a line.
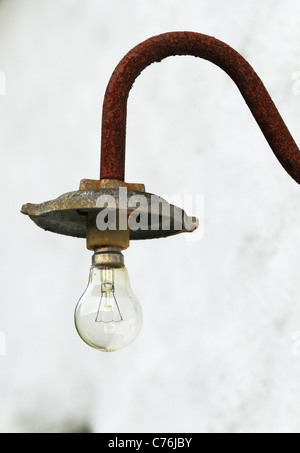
<point>209,48</point>
<point>95,184</point>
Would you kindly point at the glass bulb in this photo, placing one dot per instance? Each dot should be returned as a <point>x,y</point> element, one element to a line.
<point>108,315</point>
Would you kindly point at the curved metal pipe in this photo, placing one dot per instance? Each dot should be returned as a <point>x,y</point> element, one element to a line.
<point>156,49</point>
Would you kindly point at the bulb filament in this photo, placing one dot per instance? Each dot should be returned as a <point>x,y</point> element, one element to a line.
<point>108,309</point>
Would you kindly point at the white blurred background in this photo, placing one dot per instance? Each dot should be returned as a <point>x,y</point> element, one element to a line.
<point>217,351</point>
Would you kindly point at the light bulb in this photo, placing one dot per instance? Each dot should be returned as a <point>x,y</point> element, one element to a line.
<point>108,315</point>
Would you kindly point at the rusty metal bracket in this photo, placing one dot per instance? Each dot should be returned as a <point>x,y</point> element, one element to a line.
<point>68,213</point>
<point>209,48</point>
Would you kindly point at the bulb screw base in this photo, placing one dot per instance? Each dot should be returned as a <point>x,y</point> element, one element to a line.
<point>108,256</point>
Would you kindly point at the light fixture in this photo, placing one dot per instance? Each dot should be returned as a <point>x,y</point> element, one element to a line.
<point>110,213</point>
